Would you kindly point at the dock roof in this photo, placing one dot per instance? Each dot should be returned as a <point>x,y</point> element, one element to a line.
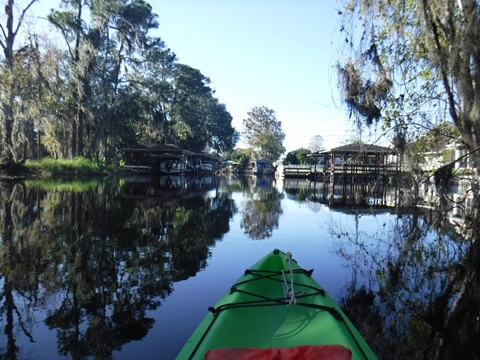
<point>156,148</point>
<point>360,147</point>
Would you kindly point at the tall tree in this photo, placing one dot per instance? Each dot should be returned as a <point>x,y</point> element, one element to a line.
<point>222,136</point>
<point>190,105</point>
<point>152,84</point>
<point>8,63</point>
<point>125,26</point>
<point>413,62</point>
<point>199,121</point>
<point>28,94</point>
<point>82,43</point>
<point>53,99</point>
<point>263,132</point>
<point>102,38</point>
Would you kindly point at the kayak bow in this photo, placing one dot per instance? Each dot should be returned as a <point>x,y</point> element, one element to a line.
<point>275,305</point>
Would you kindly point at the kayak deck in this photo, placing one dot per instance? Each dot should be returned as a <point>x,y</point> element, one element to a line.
<point>275,304</point>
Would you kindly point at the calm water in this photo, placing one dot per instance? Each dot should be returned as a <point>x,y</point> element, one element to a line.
<point>128,267</point>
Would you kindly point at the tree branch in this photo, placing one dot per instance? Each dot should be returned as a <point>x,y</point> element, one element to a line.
<point>20,20</point>
<point>4,35</point>
<point>443,63</point>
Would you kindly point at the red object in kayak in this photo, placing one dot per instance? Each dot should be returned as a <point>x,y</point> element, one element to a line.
<point>318,352</point>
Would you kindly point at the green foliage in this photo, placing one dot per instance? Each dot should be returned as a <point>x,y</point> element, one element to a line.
<point>302,155</point>
<point>77,166</point>
<point>62,185</point>
<point>410,66</point>
<point>200,121</point>
<point>242,156</point>
<point>436,138</point>
<point>297,157</point>
<point>290,159</point>
<point>463,172</point>
<point>222,135</point>
<point>109,85</point>
<point>264,134</point>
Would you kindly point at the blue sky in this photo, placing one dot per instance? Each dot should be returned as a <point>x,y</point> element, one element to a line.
<point>275,53</point>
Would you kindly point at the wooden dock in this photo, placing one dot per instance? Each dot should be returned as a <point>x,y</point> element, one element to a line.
<point>333,173</point>
<point>295,171</point>
<point>300,172</point>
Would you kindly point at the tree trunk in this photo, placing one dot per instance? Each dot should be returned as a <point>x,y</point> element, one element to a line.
<point>7,155</point>
<point>9,34</point>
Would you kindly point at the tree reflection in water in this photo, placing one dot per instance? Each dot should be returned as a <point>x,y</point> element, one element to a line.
<point>105,259</point>
<point>262,209</point>
<point>100,257</point>
<point>423,289</point>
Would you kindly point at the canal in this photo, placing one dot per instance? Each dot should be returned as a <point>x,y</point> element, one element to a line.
<point>125,268</point>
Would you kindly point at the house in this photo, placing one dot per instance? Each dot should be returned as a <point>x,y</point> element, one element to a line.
<point>450,153</point>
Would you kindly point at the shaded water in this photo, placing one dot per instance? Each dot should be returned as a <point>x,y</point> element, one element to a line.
<point>128,267</point>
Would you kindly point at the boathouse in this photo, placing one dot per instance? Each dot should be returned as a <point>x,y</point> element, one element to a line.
<point>357,159</point>
<point>230,166</point>
<point>347,160</point>
<point>157,159</point>
<point>169,159</point>
<point>260,167</point>
<point>201,162</point>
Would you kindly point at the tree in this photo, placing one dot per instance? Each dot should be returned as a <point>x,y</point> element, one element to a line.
<point>199,121</point>
<point>82,43</point>
<point>290,159</point>
<point>124,27</point>
<point>29,90</point>
<point>107,85</point>
<point>152,93</point>
<point>222,135</point>
<point>98,51</point>
<point>9,63</point>
<point>297,157</point>
<point>416,63</point>
<point>263,132</point>
<point>316,143</point>
<point>242,156</point>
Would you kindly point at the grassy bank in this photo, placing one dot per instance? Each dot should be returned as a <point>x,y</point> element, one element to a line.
<point>76,167</point>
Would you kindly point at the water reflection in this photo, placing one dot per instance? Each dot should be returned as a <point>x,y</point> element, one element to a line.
<point>99,260</point>
<point>416,279</point>
<point>94,261</point>
<point>262,208</point>
<point>343,194</point>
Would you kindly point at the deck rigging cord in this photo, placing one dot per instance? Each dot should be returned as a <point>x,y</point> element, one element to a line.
<point>289,291</point>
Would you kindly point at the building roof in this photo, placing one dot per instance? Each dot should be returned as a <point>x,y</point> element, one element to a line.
<point>360,147</point>
<point>156,148</point>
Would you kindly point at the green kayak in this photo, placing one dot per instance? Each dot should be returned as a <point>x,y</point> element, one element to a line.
<point>276,306</point>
